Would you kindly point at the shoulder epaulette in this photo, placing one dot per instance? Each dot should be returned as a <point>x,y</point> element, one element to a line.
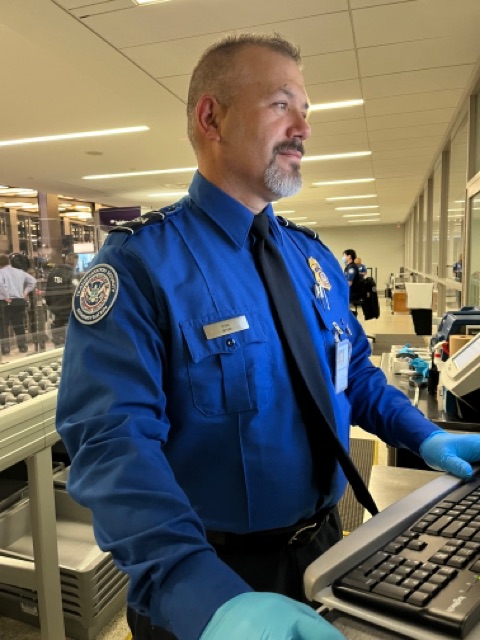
<point>298,227</point>
<point>151,217</point>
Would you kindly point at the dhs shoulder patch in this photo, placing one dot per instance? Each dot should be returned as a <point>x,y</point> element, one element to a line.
<point>95,294</point>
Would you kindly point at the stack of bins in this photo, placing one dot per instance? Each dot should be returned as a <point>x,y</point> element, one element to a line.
<point>93,589</point>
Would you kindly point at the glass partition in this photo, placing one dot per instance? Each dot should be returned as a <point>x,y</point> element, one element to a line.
<point>437,191</point>
<point>473,292</point>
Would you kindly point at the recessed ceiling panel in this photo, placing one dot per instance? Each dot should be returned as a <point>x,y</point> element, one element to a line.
<point>409,21</point>
<point>447,99</point>
<point>422,54</point>
<point>410,82</point>
<point>188,18</point>
<point>330,67</point>
<point>334,92</point>
<point>407,132</point>
<point>432,116</point>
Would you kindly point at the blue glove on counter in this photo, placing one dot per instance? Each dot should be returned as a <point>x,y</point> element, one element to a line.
<point>268,616</point>
<point>451,452</point>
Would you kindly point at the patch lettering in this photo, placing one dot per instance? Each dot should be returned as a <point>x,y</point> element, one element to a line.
<point>95,294</point>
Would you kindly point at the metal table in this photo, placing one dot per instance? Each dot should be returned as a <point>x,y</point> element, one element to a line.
<point>27,432</point>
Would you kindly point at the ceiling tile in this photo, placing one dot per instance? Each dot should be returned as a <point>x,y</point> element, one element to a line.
<point>334,92</point>
<point>413,102</point>
<point>412,56</point>
<point>355,125</point>
<point>409,21</point>
<point>178,56</point>
<point>330,67</point>
<point>408,132</point>
<point>359,4</point>
<point>422,81</point>
<point>415,118</point>
<point>407,143</point>
<point>95,8</point>
<point>320,144</point>
<point>189,18</point>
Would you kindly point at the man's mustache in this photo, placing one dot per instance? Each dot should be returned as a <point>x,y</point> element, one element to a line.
<point>293,145</point>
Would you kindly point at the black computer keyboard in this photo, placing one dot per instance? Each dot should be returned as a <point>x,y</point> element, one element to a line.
<point>430,573</point>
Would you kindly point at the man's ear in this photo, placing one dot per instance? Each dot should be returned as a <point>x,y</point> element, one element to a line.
<point>209,113</point>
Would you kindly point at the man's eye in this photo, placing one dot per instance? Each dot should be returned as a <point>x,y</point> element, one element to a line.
<point>282,105</point>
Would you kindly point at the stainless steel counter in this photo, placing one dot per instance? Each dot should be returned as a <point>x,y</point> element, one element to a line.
<point>427,404</point>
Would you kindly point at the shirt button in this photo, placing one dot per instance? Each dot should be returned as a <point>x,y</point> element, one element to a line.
<point>230,342</point>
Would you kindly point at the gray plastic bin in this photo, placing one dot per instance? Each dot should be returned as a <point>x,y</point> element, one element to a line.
<point>93,589</point>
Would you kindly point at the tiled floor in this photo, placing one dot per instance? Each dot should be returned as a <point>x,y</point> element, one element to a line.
<point>118,629</point>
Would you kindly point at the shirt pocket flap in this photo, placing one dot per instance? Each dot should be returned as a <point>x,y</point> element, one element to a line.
<point>201,347</point>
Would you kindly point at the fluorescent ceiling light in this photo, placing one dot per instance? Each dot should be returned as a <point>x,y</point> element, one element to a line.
<point>20,205</point>
<point>363,220</point>
<point>356,181</point>
<point>71,136</point>
<point>337,156</point>
<point>370,195</point>
<point>168,194</point>
<point>451,210</point>
<point>310,224</point>
<point>359,215</point>
<point>366,206</point>
<point>287,211</point>
<point>131,174</point>
<point>324,106</point>
<point>299,218</point>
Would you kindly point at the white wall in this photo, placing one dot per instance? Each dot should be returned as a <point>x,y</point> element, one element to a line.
<point>380,246</point>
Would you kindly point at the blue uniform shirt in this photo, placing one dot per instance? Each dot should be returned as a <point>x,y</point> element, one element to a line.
<point>177,408</point>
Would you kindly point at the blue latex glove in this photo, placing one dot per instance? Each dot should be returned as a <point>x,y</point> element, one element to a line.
<point>451,452</point>
<point>268,616</point>
<point>420,366</point>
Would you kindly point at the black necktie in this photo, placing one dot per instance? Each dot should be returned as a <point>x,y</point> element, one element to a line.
<point>310,385</point>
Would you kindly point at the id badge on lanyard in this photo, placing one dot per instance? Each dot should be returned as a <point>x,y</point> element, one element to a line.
<point>343,351</point>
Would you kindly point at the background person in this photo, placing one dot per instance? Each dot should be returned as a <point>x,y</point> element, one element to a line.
<point>352,275</point>
<point>177,405</point>
<point>362,269</point>
<point>15,285</point>
<point>458,268</point>
<point>61,283</point>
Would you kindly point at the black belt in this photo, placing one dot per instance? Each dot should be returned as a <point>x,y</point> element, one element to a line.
<point>301,532</point>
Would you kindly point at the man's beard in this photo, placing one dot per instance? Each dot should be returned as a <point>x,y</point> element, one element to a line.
<point>280,182</point>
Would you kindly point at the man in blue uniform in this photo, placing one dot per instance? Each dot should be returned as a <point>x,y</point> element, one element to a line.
<point>352,274</point>
<point>362,269</point>
<point>177,405</point>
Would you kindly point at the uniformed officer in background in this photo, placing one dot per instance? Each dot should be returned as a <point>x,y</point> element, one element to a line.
<point>362,268</point>
<point>352,274</point>
<point>61,283</point>
<point>176,402</point>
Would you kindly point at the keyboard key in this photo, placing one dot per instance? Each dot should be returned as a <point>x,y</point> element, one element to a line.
<point>416,545</point>
<point>435,528</point>
<point>419,598</point>
<point>392,591</point>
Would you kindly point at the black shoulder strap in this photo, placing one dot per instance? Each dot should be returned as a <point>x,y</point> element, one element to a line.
<point>297,227</point>
<point>138,223</point>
